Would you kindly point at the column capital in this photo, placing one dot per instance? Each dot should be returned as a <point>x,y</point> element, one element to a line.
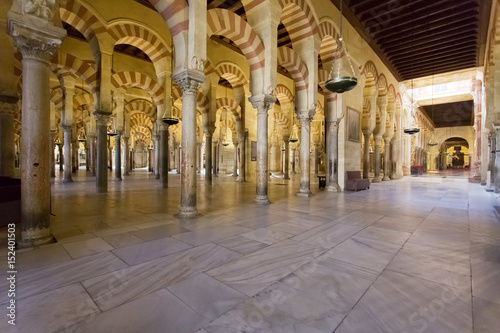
<point>209,130</point>
<point>262,102</point>
<point>8,105</point>
<point>303,116</point>
<point>189,80</point>
<point>67,127</point>
<point>102,118</point>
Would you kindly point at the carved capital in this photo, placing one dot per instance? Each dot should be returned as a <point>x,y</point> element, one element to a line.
<point>8,108</point>
<point>43,9</point>
<point>67,128</point>
<point>102,119</point>
<point>262,102</point>
<point>304,117</point>
<point>189,80</point>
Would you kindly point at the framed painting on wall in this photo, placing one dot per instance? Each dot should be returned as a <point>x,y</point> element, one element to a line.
<point>353,125</point>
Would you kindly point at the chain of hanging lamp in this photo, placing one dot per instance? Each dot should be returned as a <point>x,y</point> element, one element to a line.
<point>413,129</point>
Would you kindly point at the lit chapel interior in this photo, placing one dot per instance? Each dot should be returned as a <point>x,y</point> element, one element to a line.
<point>251,166</point>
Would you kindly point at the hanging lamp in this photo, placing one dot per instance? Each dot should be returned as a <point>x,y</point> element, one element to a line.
<point>413,129</point>
<point>112,132</point>
<point>342,76</point>
<point>294,137</point>
<point>432,140</point>
<point>170,119</point>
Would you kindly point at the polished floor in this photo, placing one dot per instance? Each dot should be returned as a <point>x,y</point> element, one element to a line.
<point>420,254</point>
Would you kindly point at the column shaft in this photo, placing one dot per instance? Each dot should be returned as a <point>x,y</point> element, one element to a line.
<point>376,178</point>
<point>332,175</point>
<point>118,157</point>
<point>102,151</point>
<point>208,158</point>
<point>8,109</point>
<point>164,154</point>
<point>127,156</point>
<point>387,158</point>
<point>366,154</point>
<point>67,154</point>
<point>287,159</point>
<point>305,167</point>
<point>242,165</point>
<point>235,170</point>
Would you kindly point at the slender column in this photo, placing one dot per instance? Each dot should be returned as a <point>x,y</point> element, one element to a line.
<point>293,160</point>
<point>61,156</point>
<point>8,109</point>
<point>286,139</point>
<point>214,158</point>
<point>332,174</point>
<point>67,154</point>
<point>37,42</point>
<point>366,154</point>
<point>262,103</point>
<point>118,156</point>
<point>317,147</point>
<point>87,155</point>
<point>208,155</point>
<point>376,178</point>
<point>305,167</point>
<point>235,170</point>
<point>102,120</point>
<point>127,156</point>
<point>496,168</point>
<point>242,140</point>
<point>52,154</point>
<point>387,157</point>
<point>189,81</point>
<point>164,152</point>
<point>491,165</point>
<point>92,152</point>
<point>75,165</point>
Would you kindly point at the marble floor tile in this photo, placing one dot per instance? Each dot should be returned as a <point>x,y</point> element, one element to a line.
<point>87,247</point>
<point>267,235</point>
<point>50,311</point>
<point>486,280</point>
<point>241,244</point>
<point>409,305</point>
<point>115,231</point>
<point>160,311</point>
<point>211,234</point>
<point>75,238</point>
<point>122,286</point>
<point>256,271</point>
<point>207,296</point>
<point>147,251</point>
<point>328,235</point>
<point>262,221</point>
<point>122,240</point>
<point>486,318</point>
<point>42,256</point>
<point>149,234</point>
<point>360,218</point>
<point>385,235</point>
<point>363,252</point>
<point>485,252</point>
<point>399,222</point>
<point>50,277</point>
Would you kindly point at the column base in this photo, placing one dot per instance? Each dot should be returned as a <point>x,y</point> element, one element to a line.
<point>234,175</point>
<point>376,180</point>
<point>286,177</point>
<point>187,213</point>
<point>262,200</point>
<point>386,178</point>
<point>241,180</point>
<point>118,178</point>
<point>304,194</point>
<point>490,189</point>
<point>27,243</point>
<point>333,188</point>
<point>67,180</point>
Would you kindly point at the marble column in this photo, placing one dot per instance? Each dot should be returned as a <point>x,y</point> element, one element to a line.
<point>242,144</point>
<point>118,156</point>
<point>67,154</point>
<point>366,154</point>
<point>91,139</point>
<point>102,119</point>
<point>52,153</point>
<point>189,81</point>
<point>126,149</point>
<point>164,154</point>
<point>8,109</point>
<point>61,156</point>
<point>491,165</point>
<point>496,173</point>
<point>305,167</point>
<point>37,40</point>
<point>286,140</point>
<point>74,155</point>
<point>293,160</point>
<point>376,177</point>
<point>332,174</point>
<point>157,156</point>
<point>235,170</point>
<point>208,154</point>
<point>317,148</point>
<point>387,157</point>
<point>262,103</point>
<point>214,158</point>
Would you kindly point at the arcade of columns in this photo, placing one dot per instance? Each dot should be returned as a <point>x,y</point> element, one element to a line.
<point>95,98</point>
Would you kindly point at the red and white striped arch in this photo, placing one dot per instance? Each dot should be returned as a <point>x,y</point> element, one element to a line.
<point>142,37</point>
<point>232,73</point>
<point>175,13</point>
<point>141,106</point>
<point>283,94</point>
<point>370,70</point>
<point>56,97</point>
<point>140,119</point>
<point>298,18</point>
<point>139,80</point>
<point>281,119</point>
<point>65,62</point>
<point>228,24</point>
<point>295,66</point>
<point>209,68</point>
<point>79,16</point>
<point>82,99</point>
<point>202,103</point>
<point>230,104</point>
<point>323,76</point>
<point>328,34</point>
<point>140,132</point>
<point>382,84</point>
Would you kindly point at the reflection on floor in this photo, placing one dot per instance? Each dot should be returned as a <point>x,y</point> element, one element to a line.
<point>421,254</point>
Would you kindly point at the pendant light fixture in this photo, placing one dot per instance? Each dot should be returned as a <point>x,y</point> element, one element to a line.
<point>413,129</point>
<point>82,137</point>
<point>342,76</point>
<point>170,119</point>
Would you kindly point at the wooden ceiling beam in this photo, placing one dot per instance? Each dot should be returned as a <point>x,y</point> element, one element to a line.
<point>431,49</point>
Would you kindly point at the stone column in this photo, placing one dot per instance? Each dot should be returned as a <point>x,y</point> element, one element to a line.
<point>332,174</point>
<point>52,154</point>
<point>92,152</point>
<point>387,158</point>
<point>189,81</point>
<point>8,109</point>
<point>102,120</point>
<point>317,148</point>
<point>305,167</point>
<point>208,153</point>
<point>214,158</point>
<point>293,160</point>
<point>496,169</point>
<point>61,156</point>
<point>67,153</point>
<point>235,171</point>
<point>38,39</point>
<point>376,178</point>
<point>262,103</point>
<point>366,154</point>
<point>75,165</point>
<point>126,149</point>
<point>491,165</point>
<point>286,140</point>
<point>164,152</point>
<point>118,156</point>
<point>242,141</point>
<point>157,155</point>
